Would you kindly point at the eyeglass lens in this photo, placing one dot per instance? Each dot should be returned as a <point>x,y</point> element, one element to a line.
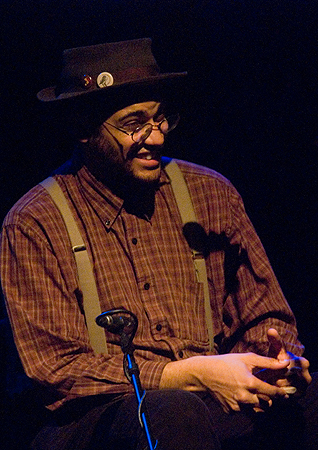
<point>141,134</point>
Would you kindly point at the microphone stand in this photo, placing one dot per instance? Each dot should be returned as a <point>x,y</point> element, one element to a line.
<point>131,370</point>
<point>130,366</point>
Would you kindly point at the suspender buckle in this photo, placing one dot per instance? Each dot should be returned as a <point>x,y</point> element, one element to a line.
<point>197,255</point>
<point>78,248</point>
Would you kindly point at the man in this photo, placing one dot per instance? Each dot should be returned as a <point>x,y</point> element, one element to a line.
<point>120,108</point>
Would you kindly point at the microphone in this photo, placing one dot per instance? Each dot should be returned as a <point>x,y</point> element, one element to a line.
<point>125,323</point>
<point>114,322</point>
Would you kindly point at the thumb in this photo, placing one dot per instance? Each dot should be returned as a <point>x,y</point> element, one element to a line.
<point>276,346</point>
<point>264,362</point>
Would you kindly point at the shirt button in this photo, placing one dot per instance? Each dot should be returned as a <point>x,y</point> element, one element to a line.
<point>180,353</point>
<point>134,241</point>
<point>146,286</point>
<point>107,223</point>
<point>159,327</point>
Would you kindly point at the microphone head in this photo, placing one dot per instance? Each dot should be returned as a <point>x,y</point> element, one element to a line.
<point>104,320</point>
<point>115,322</point>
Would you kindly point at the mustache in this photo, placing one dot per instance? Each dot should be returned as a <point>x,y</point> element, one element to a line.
<point>135,149</point>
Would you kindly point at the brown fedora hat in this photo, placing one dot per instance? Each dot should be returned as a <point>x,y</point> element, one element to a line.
<point>106,68</point>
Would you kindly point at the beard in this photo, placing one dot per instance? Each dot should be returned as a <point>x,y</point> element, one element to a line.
<point>108,163</point>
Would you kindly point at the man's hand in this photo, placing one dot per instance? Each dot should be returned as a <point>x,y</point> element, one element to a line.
<point>296,374</point>
<point>229,378</point>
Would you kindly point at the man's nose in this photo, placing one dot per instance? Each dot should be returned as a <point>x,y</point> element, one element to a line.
<point>156,137</point>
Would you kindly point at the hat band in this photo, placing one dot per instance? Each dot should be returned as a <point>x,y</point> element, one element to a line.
<point>90,82</point>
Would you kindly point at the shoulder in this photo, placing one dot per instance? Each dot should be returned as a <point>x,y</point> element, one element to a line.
<point>213,195</point>
<point>191,170</point>
<point>197,175</point>
<point>33,203</point>
<point>35,214</point>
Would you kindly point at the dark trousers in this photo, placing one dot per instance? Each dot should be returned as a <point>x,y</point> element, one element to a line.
<point>181,420</point>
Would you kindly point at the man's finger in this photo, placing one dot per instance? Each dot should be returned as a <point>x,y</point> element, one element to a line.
<point>266,362</point>
<point>276,347</point>
<point>269,390</point>
<point>264,403</point>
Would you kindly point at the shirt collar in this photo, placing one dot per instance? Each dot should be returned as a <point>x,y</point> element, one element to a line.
<point>106,204</point>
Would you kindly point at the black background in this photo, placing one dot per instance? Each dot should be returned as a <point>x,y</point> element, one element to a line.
<point>251,113</point>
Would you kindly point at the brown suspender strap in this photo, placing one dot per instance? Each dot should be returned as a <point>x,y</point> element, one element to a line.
<point>185,206</point>
<point>84,267</point>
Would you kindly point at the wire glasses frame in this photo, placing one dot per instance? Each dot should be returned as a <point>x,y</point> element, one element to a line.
<point>142,132</point>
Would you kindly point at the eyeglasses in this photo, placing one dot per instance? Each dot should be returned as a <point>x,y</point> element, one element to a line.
<point>142,132</point>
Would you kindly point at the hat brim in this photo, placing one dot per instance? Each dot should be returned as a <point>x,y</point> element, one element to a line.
<point>49,94</point>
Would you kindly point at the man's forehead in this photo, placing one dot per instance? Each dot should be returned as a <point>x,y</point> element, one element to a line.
<point>137,109</point>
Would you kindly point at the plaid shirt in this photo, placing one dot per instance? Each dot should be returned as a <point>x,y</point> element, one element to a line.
<point>143,264</point>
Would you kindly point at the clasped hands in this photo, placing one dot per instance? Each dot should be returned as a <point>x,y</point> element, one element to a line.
<point>293,379</point>
<point>238,379</point>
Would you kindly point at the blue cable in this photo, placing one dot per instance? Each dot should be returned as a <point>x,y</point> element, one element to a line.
<point>140,399</point>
